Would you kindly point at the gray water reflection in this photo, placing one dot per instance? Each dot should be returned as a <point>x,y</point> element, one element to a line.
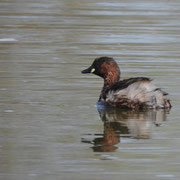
<point>122,124</point>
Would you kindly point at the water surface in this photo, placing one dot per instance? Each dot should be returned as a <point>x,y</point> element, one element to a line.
<point>50,127</point>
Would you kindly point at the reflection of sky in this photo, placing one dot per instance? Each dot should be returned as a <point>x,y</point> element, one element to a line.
<point>129,44</point>
<point>140,5</point>
<point>130,38</point>
<point>131,8</point>
<point>114,12</point>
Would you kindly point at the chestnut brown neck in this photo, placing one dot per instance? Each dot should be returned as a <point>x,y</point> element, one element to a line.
<point>111,78</point>
<point>110,73</point>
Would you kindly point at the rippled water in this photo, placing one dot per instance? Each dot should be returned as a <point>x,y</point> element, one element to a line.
<point>50,127</point>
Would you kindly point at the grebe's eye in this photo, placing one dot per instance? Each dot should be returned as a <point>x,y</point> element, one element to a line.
<point>92,70</point>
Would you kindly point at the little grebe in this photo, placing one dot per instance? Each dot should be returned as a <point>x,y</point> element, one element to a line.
<point>133,93</point>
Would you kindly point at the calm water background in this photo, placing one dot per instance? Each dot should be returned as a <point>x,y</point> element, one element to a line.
<point>49,124</point>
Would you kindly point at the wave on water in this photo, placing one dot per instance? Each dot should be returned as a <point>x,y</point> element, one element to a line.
<point>8,40</point>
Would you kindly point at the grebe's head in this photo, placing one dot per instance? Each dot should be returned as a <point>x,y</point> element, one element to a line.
<point>106,68</point>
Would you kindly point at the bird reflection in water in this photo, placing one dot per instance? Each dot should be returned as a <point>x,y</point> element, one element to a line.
<point>120,124</point>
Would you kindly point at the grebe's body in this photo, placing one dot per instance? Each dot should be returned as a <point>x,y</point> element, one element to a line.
<point>133,93</point>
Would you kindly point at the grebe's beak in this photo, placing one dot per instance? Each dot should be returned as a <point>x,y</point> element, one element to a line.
<point>88,70</point>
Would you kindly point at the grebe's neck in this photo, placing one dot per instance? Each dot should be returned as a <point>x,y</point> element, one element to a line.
<point>108,82</point>
<point>111,78</point>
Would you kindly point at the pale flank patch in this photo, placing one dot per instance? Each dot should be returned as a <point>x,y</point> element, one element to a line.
<point>141,91</point>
